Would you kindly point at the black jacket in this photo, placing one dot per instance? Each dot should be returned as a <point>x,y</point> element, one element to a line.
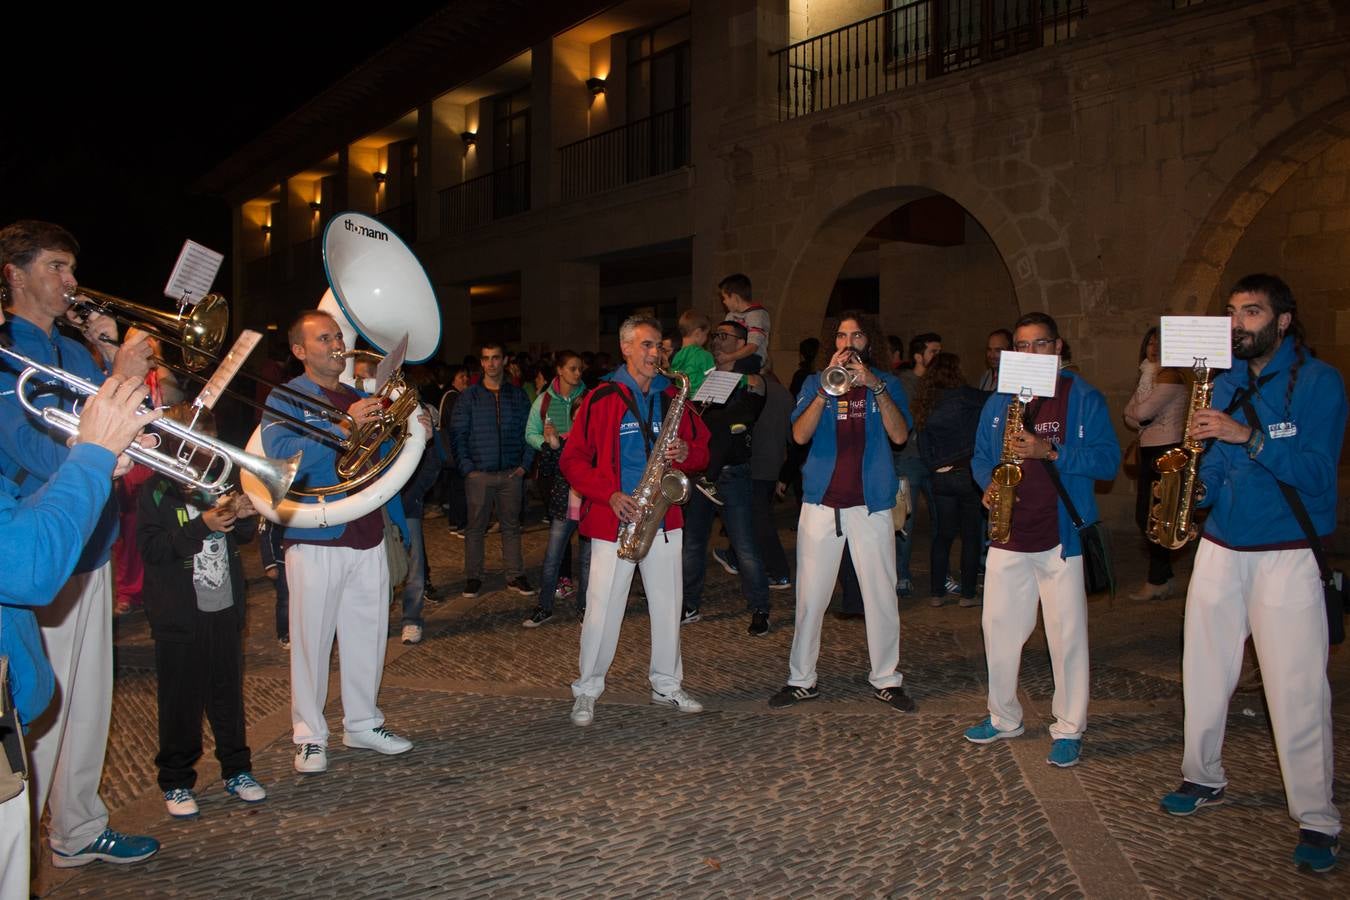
<point>168,540</point>
<point>948,435</point>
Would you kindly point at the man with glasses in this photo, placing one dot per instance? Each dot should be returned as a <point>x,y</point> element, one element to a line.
<point>488,431</point>
<point>730,426</point>
<point>1041,564</point>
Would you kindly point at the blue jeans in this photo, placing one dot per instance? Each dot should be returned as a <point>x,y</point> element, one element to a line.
<point>414,588</point>
<point>559,533</point>
<point>735,486</point>
<point>911,467</point>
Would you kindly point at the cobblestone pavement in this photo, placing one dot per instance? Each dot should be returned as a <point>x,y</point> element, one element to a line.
<point>503,797</point>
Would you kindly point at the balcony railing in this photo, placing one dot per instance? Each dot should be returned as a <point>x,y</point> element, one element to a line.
<point>484,199</point>
<point>651,146</point>
<point>914,43</point>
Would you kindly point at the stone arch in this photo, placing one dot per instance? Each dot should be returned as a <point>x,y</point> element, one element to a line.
<point>1249,187</point>
<point>1047,238</point>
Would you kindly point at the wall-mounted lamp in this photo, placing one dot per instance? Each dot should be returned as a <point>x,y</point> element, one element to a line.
<point>266,229</point>
<point>596,86</point>
<point>380,178</point>
<point>315,206</point>
<point>469,138</point>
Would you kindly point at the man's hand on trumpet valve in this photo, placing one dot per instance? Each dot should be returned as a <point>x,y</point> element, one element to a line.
<point>112,418</point>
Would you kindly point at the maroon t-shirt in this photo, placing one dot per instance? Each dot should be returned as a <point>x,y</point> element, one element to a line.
<point>850,438</point>
<point>362,533</point>
<point>1035,518</point>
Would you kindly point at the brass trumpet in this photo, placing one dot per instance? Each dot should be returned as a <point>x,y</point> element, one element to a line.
<point>222,458</point>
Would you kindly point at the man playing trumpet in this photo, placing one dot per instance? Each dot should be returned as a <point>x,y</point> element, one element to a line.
<point>37,275</point>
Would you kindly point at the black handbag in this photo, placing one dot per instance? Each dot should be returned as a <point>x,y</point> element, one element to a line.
<point>1098,574</point>
<point>1333,580</point>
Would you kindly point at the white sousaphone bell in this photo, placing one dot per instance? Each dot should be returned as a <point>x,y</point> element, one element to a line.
<point>379,290</point>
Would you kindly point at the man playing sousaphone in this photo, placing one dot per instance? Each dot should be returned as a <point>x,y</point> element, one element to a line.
<point>337,575</point>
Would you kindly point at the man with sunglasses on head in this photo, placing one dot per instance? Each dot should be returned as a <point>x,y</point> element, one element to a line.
<point>1041,564</point>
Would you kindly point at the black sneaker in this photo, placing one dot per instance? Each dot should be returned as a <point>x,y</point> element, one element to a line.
<point>709,490</point>
<point>538,617</point>
<point>472,587</point>
<point>689,616</point>
<point>896,697</point>
<point>759,623</point>
<point>521,586</point>
<point>791,695</point>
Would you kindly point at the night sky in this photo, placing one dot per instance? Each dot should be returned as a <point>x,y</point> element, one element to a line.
<point>111,117</point>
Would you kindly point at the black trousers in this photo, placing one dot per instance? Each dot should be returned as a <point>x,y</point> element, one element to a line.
<point>1159,558</point>
<point>957,512</point>
<point>205,674</point>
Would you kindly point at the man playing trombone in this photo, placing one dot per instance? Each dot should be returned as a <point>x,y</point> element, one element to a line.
<point>37,278</point>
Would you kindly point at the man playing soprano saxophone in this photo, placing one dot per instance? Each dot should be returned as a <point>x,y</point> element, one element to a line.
<point>1042,557</point>
<point>606,471</point>
<point>1255,572</point>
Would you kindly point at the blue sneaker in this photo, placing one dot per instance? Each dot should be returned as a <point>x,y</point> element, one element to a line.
<point>1064,752</point>
<point>1189,798</point>
<point>1316,850</point>
<point>110,846</point>
<point>986,733</point>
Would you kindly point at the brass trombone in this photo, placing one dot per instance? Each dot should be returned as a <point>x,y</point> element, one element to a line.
<point>222,458</point>
<point>198,332</point>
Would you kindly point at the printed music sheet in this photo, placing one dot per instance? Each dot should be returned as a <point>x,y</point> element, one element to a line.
<point>1023,373</point>
<point>1184,339</point>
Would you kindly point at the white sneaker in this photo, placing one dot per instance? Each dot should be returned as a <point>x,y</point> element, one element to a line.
<point>245,787</point>
<point>678,699</point>
<point>311,758</point>
<point>381,740</point>
<point>583,711</point>
<point>181,803</point>
<point>412,634</point>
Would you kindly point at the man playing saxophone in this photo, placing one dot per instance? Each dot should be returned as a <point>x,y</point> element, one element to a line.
<point>1041,555</point>
<point>616,432</point>
<point>1255,572</point>
<point>849,486</point>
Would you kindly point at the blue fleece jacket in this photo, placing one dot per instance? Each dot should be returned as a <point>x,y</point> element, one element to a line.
<point>485,441</point>
<point>879,479</point>
<point>1089,453</point>
<point>318,466</point>
<point>29,451</point>
<point>1302,448</point>
<point>40,540</point>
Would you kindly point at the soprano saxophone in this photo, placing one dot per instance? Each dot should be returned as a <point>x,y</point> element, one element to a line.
<point>661,485</point>
<point>1007,475</point>
<point>1171,517</point>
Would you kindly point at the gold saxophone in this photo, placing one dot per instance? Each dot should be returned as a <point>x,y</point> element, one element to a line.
<point>1171,517</point>
<point>660,485</point>
<point>1007,475</point>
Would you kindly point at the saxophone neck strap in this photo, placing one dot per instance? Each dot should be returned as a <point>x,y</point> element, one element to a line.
<point>644,424</point>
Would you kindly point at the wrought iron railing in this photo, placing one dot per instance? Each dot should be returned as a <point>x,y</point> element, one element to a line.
<point>484,199</point>
<point>651,146</point>
<point>912,43</point>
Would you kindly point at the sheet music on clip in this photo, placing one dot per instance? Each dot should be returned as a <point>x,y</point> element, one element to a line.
<point>193,274</point>
<point>1182,340</point>
<point>717,386</point>
<point>1027,374</point>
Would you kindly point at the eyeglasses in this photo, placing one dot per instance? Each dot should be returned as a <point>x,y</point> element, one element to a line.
<point>724,334</point>
<point>1039,344</point>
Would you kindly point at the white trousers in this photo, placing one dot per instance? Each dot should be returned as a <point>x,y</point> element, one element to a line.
<point>606,600</point>
<point>1276,597</point>
<point>1012,584</point>
<point>871,541</point>
<point>68,741</point>
<point>343,592</point>
<point>14,849</point>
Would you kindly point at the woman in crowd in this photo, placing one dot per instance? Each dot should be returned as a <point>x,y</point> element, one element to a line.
<point>1158,412</point>
<point>946,416</point>
<point>546,430</point>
